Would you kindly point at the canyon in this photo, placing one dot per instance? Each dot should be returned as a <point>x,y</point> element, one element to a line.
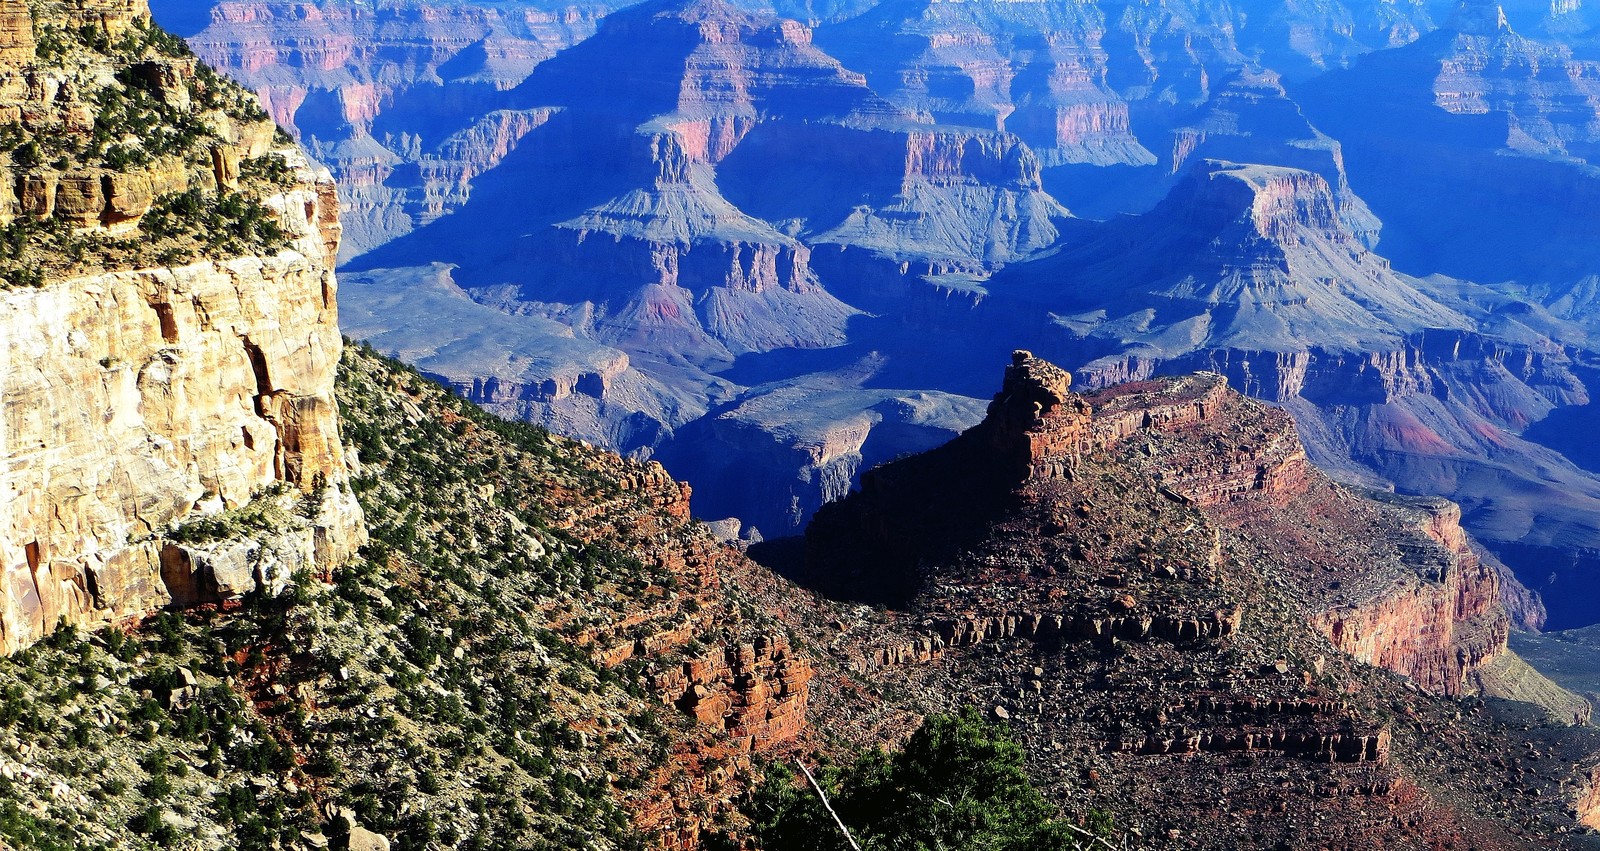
<point>1048,562</point>
<point>267,589</point>
<point>659,228</point>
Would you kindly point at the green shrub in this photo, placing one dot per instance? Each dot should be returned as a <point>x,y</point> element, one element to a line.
<point>958,783</point>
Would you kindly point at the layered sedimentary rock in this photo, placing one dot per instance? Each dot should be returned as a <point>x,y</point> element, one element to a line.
<point>1505,122</point>
<point>780,451</point>
<point>690,637</point>
<point>50,105</point>
<point>138,399</point>
<point>1152,579</point>
<point>677,204</point>
<point>1461,605</point>
<point>1255,273</point>
<point>962,64</point>
<point>519,366</point>
<point>404,101</point>
<point>1416,600</point>
<point>894,160</point>
<point>1251,119</point>
<point>654,258</point>
<point>1248,257</point>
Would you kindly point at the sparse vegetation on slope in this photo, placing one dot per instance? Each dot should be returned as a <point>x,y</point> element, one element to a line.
<point>494,670</point>
<point>125,152</point>
<point>418,692</point>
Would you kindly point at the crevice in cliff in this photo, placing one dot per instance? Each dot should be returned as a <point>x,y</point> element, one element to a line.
<point>186,585</point>
<point>169,322</point>
<point>258,365</point>
<point>91,586</point>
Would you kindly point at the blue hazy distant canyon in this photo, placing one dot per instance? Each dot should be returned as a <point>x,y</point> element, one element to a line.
<point>772,247</point>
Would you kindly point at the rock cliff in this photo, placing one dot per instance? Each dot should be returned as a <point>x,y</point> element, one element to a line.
<point>546,614</point>
<point>168,432</point>
<point>692,200</point>
<point>1498,105</point>
<point>404,101</point>
<point>696,187</point>
<point>1416,600</point>
<point>1167,601</point>
<point>1411,379</point>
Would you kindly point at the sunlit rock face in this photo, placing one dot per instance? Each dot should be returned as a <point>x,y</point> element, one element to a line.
<point>137,397</point>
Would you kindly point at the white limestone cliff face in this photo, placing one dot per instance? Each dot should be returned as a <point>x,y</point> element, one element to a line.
<point>132,401</point>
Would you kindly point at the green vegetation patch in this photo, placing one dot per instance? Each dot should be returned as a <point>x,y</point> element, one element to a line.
<point>959,782</point>
<point>155,110</point>
<point>422,689</point>
<point>179,229</point>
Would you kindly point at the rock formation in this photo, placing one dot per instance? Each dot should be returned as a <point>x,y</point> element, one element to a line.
<point>521,367</point>
<point>1418,600</point>
<point>1411,379</point>
<point>403,102</point>
<point>1168,602</point>
<point>1501,116</point>
<point>149,409</point>
<point>703,196</point>
<point>778,452</point>
<point>961,64</point>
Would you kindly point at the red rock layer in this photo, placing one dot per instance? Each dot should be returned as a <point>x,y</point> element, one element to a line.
<point>694,647</point>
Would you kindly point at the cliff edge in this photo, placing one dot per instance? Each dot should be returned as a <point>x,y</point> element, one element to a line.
<point>168,331</point>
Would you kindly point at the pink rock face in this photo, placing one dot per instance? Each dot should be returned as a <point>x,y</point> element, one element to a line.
<point>1437,633</point>
<point>329,71</point>
<point>1037,71</point>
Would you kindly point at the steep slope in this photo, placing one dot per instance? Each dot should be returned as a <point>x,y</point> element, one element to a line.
<point>1100,90</point>
<point>779,451</point>
<point>1037,69</point>
<point>707,184</point>
<point>632,242</point>
<point>518,366</point>
<point>167,332</point>
<point>536,650</point>
<point>1501,123</point>
<point>678,163</point>
<point>1251,119</point>
<point>689,188</point>
<point>1237,256</point>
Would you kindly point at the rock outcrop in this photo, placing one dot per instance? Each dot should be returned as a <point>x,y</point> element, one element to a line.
<point>1504,116</point>
<point>780,451</point>
<point>881,176</point>
<point>168,434</point>
<point>1416,600</point>
<point>519,366</point>
<point>404,102</point>
<point>1167,602</point>
<point>1439,630</point>
<point>963,65</point>
<point>1255,273</point>
<point>690,184</point>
